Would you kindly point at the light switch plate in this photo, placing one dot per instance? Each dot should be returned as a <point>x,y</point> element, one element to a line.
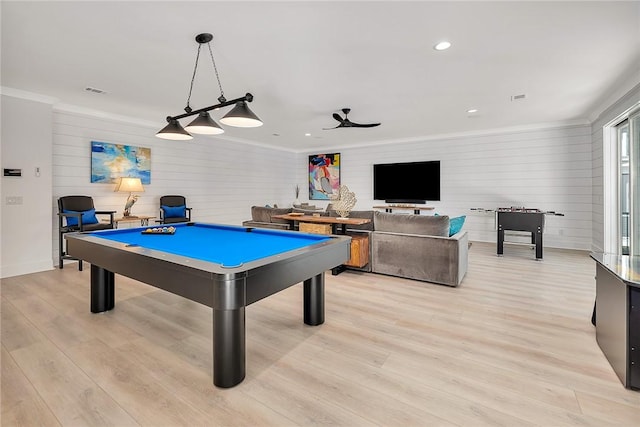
<point>14,200</point>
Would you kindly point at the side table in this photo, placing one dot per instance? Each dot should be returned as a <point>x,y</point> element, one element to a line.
<point>144,220</point>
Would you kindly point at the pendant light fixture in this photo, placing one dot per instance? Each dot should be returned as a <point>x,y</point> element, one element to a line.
<point>174,131</point>
<point>239,116</point>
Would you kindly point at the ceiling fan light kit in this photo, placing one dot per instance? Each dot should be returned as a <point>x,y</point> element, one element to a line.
<point>346,123</point>
<point>240,116</point>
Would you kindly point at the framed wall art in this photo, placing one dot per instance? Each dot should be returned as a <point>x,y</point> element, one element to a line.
<point>112,161</point>
<point>324,176</point>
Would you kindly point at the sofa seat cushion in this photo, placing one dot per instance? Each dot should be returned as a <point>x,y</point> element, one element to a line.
<point>273,225</point>
<point>412,224</point>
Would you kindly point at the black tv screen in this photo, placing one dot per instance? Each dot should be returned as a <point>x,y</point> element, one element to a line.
<point>414,182</point>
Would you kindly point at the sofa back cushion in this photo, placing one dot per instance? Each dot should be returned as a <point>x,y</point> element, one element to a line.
<point>264,214</point>
<point>412,224</point>
<point>309,211</point>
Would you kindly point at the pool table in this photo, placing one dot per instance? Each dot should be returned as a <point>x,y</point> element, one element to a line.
<point>222,266</point>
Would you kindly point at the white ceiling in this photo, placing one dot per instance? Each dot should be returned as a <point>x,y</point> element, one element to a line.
<point>303,61</point>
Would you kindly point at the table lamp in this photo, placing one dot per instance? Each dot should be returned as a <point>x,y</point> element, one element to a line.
<point>129,185</point>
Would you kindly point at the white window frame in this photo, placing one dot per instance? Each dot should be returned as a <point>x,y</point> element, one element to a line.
<point>611,182</point>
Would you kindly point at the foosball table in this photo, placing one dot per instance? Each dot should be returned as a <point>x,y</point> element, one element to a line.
<point>520,219</point>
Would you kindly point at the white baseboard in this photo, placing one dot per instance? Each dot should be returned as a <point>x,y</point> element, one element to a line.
<point>26,268</point>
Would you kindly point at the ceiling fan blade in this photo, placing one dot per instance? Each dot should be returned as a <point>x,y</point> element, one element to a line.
<point>346,123</point>
<point>367,125</point>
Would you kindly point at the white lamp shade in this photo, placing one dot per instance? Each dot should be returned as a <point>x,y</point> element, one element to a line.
<point>129,185</point>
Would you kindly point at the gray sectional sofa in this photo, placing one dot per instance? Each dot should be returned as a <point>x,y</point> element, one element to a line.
<point>261,216</point>
<point>417,247</point>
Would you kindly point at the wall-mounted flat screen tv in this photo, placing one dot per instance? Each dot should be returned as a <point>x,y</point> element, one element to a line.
<point>415,182</point>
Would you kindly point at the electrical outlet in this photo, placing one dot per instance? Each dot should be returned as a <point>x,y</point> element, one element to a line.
<point>13,200</point>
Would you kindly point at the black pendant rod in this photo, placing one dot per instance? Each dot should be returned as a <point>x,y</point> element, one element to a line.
<point>248,98</point>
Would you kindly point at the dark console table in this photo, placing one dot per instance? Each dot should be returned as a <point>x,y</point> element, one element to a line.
<point>416,209</point>
<point>617,314</point>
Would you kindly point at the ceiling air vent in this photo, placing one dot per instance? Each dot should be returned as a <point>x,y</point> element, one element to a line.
<point>518,97</point>
<point>94,90</point>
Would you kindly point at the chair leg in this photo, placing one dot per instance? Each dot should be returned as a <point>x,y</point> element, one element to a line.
<point>60,253</point>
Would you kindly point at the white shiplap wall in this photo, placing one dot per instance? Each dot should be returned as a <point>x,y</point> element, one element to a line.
<point>547,168</point>
<point>552,168</point>
<point>221,179</point>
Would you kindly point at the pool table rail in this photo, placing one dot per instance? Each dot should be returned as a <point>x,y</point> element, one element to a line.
<point>226,290</point>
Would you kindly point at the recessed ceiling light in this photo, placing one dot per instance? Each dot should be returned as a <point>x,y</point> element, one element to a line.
<point>307,134</point>
<point>442,46</point>
<point>472,110</point>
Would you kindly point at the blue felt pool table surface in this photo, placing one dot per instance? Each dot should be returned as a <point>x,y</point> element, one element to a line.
<point>229,246</point>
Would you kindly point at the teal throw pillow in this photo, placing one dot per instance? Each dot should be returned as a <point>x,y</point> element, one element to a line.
<point>174,211</point>
<point>455,224</point>
<point>88,217</point>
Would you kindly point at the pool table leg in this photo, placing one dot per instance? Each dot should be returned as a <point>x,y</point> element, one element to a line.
<point>314,300</point>
<point>103,287</point>
<point>228,347</point>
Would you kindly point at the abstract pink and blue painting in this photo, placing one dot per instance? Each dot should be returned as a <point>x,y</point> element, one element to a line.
<point>324,176</point>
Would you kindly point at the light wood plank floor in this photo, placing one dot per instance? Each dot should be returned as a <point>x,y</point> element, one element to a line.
<point>512,346</point>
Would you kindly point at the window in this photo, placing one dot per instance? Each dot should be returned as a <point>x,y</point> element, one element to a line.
<point>621,192</point>
<point>634,182</point>
<point>622,140</point>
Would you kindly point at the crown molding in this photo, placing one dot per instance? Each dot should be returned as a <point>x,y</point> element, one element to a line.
<point>458,135</point>
<point>74,109</point>
<point>88,112</point>
<point>30,96</point>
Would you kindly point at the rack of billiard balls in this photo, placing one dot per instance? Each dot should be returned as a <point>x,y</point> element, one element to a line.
<point>159,230</point>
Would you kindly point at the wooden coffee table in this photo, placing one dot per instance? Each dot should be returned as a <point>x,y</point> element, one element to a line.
<point>338,225</point>
<point>359,244</point>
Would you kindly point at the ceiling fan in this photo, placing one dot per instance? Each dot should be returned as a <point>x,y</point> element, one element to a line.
<point>346,123</point>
